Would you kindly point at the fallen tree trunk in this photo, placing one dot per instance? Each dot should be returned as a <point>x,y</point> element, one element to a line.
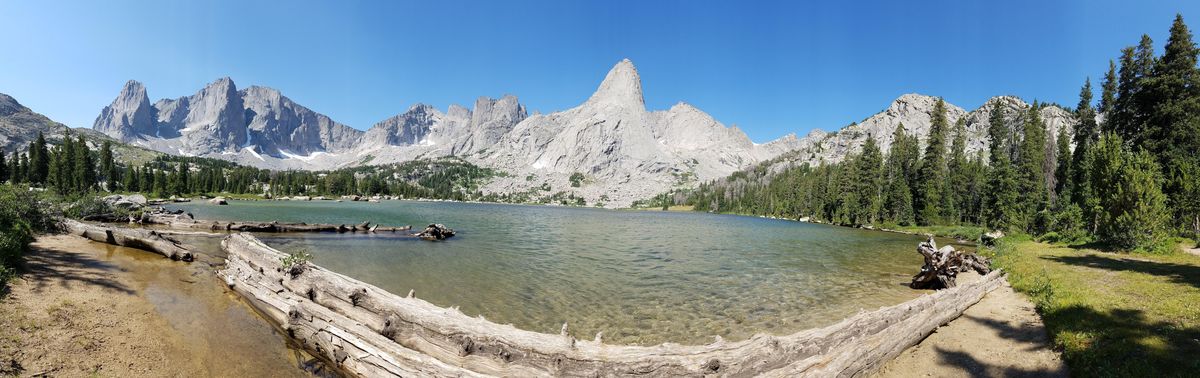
<point>942,266</point>
<point>370,332</point>
<point>147,240</point>
<point>185,221</point>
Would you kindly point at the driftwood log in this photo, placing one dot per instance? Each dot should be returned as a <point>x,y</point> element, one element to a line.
<point>366,331</point>
<point>942,266</point>
<point>181,220</point>
<point>147,240</point>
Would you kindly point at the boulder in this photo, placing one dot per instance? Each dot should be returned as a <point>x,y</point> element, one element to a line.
<point>218,201</point>
<point>436,231</point>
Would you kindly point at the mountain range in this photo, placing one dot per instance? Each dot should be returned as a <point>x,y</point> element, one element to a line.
<point>623,151</point>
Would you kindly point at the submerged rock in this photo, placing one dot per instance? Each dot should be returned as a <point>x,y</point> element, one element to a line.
<point>436,231</point>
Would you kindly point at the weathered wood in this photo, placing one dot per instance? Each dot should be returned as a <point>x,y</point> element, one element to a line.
<point>319,300</point>
<point>147,240</point>
<point>942,266</point>
<point>185,221</point>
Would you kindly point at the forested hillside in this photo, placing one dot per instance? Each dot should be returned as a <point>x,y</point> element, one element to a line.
<point>1128,181</point>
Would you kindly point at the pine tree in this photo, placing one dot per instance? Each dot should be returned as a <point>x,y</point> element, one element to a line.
<point>39,160</point>
<point>3,168</point>
<point>1172,132</point>
<point>108,168</point>
<point>931,200</point>
<point>998,132</point>
<point>130,181</point>
<point>22,171</point>
<point>14,169</point>
<point>1108,91</point>
<point>1064,170</point>
<point>1031,158</point>
<point>1134,215</point>
<point>901,160</point>
<point>959,175</point>
<point>85,167</point>
<point>1003,208</point>
<point>866,185</point>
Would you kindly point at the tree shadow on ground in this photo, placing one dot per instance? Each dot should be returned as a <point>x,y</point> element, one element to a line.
<point>44,266</point>
<point>1122,343</point>
<point>976,368</point>
<point>1178,273</point>
<point>1034,337</point>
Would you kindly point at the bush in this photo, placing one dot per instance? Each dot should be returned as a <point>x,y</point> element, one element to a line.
<point>21,215</point>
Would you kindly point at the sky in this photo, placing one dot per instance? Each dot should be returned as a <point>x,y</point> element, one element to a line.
<point>771,68</point>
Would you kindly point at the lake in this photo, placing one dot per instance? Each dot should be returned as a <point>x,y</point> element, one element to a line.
<point>641,277</point>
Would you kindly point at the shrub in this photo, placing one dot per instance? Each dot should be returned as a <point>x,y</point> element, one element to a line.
<point>21,215</point>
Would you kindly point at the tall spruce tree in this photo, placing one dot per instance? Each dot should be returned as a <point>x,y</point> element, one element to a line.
<point>1172,132</point>
<point>998,132</point>
<point>959,173</point>
<point>1002,207</point>
<point>901,161</point>
<point>1064,169</point>
<point>108,167</point>
<point>1031,157</point>
<point>930,199</point>
<point>1128,184</point>
<point>1108,91</point>
<point>39,160</point>
<point>3,167</point>
<point>866,185</point>
<point>85,167</point>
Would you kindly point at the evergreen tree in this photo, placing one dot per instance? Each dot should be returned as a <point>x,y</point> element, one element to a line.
<point>1086,134</point>
<point>901,161</point>
<point>1172,133</point>
<point>959,174</point>
<point>866,185</point>
<point>1129,187</point>
<point>1003,210</point>
<point>1031,158</point>
<point>22,171</point>
<point>14,169</point>
<point>85,167</point>
<point>998,132</point>
<point>130,181</point>
<point>1064,169</point>
<point>930,199</point>
<point>108,168</point>
<point>3,167</point>
<point>1108,91</point>
<point>39,160</point>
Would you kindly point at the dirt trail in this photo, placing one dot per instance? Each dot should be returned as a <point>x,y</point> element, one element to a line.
<point>1001,336</point>
<point>89,309</point>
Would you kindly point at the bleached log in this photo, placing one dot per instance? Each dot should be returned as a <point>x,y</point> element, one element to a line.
<point>406,327</point>
<point>148,240</point>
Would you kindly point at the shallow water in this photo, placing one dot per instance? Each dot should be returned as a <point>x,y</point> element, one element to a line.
<point>640,277</point>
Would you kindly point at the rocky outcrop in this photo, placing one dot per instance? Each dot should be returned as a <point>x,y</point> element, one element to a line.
<point>412,127</point>
<point>129,115</point>
<point>279,127</point>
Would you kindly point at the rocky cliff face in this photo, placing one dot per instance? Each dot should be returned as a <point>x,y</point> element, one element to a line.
<point>129,115</point>
<point>624,151</point>
<point>915,111</point>
<point>19,125</point>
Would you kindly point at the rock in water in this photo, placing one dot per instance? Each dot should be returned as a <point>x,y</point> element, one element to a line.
<point>436,231</point>
<point>218,201</point>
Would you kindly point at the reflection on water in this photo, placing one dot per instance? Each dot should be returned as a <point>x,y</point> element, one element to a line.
<point>640,277</point>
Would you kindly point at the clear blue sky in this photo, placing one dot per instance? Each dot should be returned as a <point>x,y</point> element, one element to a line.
<point>770,68</point>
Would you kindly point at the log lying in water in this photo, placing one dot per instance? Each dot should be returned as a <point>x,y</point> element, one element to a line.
<point>147,240</point>
<point>942,266</point>
<point>185,221</point>
<point>370,332</point>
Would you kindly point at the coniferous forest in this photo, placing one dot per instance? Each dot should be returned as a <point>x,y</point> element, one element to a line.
<point>1127,177</point>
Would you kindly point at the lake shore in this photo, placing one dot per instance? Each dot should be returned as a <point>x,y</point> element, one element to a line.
<point>83,308</point>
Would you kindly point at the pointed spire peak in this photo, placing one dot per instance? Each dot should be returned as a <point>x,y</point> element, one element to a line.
<point>133,85</point>
<point>223,83</point>
<point>622,86</point>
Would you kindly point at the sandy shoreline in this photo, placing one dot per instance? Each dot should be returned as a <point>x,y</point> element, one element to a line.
<point>84,308</point>
<point>1001,336</point>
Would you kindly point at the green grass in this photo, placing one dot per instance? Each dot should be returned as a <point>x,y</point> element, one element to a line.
<point>1110,314</point>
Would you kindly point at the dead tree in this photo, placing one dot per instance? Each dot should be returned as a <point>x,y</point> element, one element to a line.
<point>942,266</point>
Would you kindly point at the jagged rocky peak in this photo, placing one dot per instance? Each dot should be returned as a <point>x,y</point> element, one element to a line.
<point>621,87</point>
<point>129,115</point>
<point>9,105</point>
<point>408,128</point>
